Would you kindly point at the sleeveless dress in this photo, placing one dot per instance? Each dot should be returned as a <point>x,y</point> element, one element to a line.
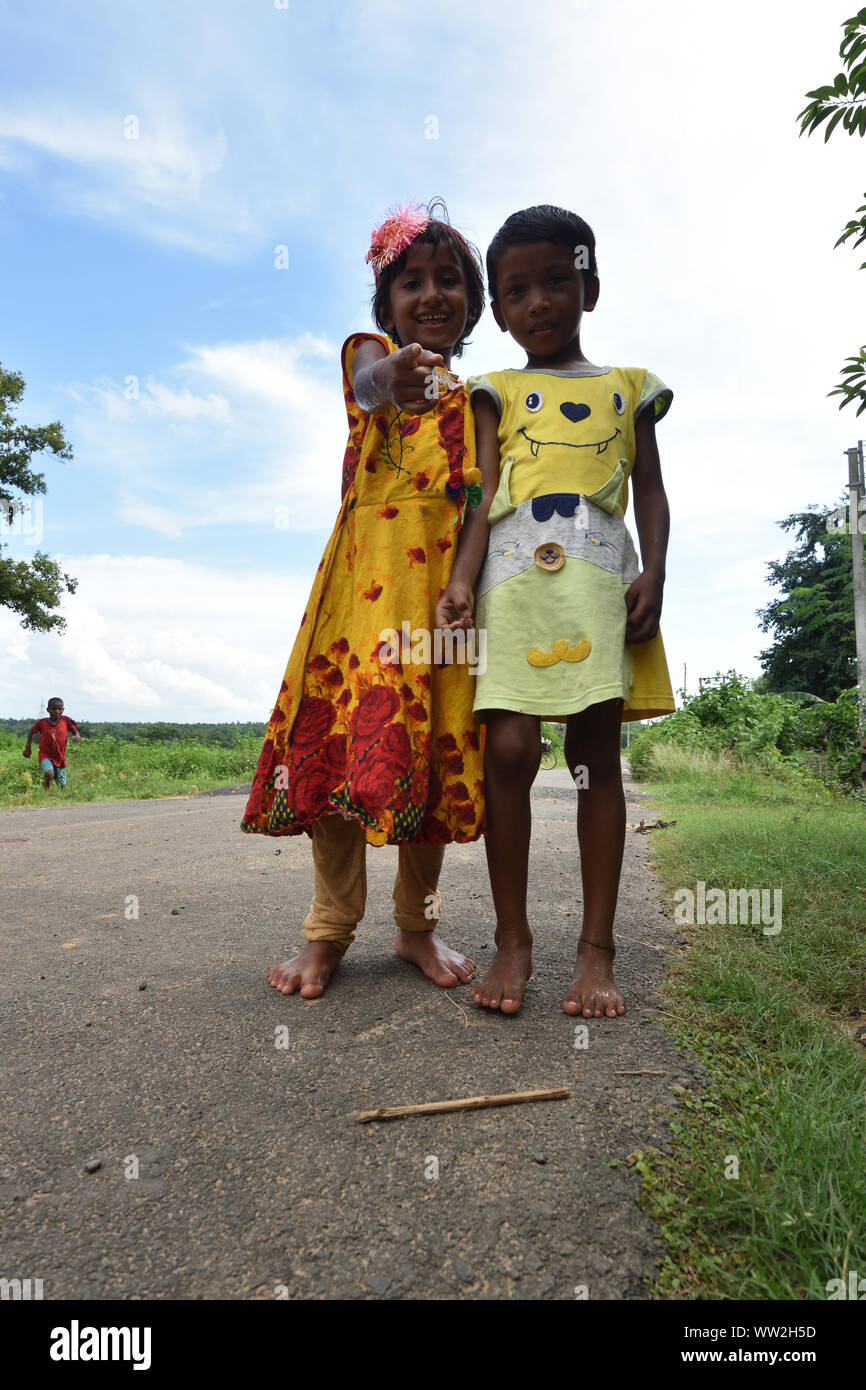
<point>551,593</point>
<point>367,722</point>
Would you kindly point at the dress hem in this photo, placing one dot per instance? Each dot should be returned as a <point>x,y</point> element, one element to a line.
<point>663,704</point>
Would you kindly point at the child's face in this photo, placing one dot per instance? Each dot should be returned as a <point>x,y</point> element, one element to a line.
<point>428,300</point>
<point>55,709</point>
<point>540,298</point>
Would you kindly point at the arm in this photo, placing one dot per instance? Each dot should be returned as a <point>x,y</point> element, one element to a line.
<point>400,378</point>
<point>27,749</point>
<point>71,724</point>
<point>456,606</point>
<point>643,599</point>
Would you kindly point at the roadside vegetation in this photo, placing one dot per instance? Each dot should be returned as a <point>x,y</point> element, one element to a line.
<point>121,769</point>
<point>764,1193</point>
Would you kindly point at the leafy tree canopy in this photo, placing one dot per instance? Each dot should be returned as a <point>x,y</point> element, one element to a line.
<point>32,588</point>
<point>812,622</point>
<point>844,100</point>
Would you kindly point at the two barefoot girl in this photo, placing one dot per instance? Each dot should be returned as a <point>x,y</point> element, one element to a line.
<point>366,747</point>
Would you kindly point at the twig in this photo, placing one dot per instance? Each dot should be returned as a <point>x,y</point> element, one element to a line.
<point>461,1008</point>
<point>396,1112</point>
<point>640,1073</point>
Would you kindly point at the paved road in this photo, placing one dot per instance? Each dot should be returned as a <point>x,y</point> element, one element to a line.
<point>149,1044</point>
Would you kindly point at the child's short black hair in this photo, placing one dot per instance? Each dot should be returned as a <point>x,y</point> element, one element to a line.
<point>542,223</point>
<point>55,700</point>
<point>438,232</point>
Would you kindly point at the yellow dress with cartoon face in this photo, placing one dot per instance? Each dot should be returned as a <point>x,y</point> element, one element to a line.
<point>551,593</point>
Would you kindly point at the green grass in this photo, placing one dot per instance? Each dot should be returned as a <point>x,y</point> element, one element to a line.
<point>108,769</point>
<point>773,1019</point>
<point>555,732</point>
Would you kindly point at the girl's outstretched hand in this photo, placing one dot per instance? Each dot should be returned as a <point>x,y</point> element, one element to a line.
<point>455,607</point>
<point>407,377</point>
<point>643,603</point>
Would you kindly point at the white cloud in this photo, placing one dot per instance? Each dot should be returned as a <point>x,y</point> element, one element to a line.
<point>255,438</point>
<point>144,514</point>
<point>157,183</point>
<point>158,639</point>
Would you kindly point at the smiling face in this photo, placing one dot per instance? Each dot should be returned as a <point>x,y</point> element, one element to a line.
<point>428,299</point>
<point>540,298</point>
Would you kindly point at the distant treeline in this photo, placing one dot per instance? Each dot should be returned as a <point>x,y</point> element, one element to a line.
<point>217,735</point>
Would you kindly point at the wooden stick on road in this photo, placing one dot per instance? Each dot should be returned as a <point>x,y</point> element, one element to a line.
<point>435,1107</point>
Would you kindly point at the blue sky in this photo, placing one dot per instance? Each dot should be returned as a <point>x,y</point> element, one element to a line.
<point>199,384</point>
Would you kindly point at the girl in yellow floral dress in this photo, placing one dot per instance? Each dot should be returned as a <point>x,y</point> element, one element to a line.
<point>372,741</point>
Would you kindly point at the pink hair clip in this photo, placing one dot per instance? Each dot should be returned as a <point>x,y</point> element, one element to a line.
<point>395,234</point>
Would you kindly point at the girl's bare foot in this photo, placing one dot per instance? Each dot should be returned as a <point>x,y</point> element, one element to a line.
<point>592,992</point>
<point>504,985</point>
<point>428,951</point>
<point>309,971</point>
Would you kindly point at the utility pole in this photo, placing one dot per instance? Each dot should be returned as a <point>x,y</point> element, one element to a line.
<point>855,491</point>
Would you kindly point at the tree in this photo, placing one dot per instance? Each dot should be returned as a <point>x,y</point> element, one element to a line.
<point>845,101</point>
<point>813,620</point>
<point>160,733</point>
<point>36,587</point>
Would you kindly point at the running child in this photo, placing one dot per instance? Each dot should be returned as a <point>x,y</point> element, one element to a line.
<point>52,734</point>
<point>572,621</point>
<point>371,741</point>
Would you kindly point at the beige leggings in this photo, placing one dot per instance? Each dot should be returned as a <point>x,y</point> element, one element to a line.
<point>340,894</point>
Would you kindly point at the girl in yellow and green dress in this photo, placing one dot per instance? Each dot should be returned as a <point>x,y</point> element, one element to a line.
<point>371,741</point>
<point>570,616</point>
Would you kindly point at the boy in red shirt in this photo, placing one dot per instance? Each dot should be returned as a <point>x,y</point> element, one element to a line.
<point>52,743</point>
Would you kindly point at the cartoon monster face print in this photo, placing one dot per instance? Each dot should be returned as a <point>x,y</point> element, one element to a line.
<point>575,412</point>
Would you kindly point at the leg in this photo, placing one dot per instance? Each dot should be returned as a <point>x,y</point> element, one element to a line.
<point>339,898</point>
<point>512,753</point>
<point>416,911</point>
<point>47,773</point>
<point>592,742</point>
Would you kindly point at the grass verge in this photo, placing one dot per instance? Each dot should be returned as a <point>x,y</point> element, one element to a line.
<point>774,1020</point>
<point>109,769</point>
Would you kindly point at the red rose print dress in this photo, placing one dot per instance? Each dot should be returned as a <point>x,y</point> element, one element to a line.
<point>359,727</point>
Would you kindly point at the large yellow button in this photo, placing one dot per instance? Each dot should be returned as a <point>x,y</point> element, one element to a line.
<point>550,556</point>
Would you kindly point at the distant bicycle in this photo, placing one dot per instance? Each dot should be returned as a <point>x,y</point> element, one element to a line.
<point>548,754</point>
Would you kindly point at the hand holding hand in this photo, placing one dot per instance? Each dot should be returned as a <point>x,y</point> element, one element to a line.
<point>455,607</point>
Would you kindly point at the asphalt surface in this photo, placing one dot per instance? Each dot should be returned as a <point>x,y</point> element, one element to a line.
<point>149,1045</point>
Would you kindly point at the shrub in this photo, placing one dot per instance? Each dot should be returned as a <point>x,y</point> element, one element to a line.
<point>774,731</point>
